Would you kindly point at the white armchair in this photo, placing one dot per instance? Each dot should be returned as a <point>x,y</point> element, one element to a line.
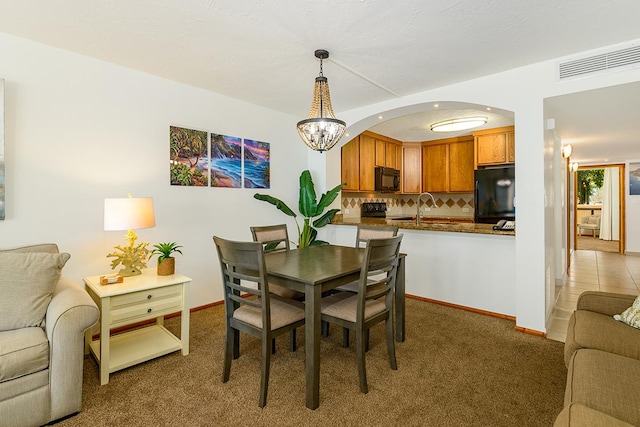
<point>590,223</point>
<point>42,322</point>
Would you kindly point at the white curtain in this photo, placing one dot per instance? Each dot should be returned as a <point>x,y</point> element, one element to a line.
<point>610,221</point>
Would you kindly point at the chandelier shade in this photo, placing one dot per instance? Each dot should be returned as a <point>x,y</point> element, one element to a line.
<point>321,130</point>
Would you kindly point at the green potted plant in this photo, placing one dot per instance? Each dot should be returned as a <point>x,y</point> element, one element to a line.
<point>309,208</point>
<point>166,263</point>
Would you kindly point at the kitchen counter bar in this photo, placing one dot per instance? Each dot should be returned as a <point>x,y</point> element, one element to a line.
<point>428,224</point>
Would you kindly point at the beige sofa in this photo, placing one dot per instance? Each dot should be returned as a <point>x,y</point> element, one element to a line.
<point>42,322</point>
<point>603,361</point>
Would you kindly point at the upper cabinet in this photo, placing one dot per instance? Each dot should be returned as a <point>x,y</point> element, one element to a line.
<point>411,168</point>
<point>362,154</point>
<point>494,146</point>
<point>351,165</point>
<point>447,165</point>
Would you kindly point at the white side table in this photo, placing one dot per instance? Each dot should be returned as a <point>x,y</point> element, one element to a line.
<point>138,298</point>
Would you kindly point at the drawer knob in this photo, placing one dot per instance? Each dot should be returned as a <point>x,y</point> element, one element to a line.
<point>148,310</point>
<point>149,296</point>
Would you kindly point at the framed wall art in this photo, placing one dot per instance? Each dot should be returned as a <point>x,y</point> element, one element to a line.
<point>188,157</point>
<point>226,161</point>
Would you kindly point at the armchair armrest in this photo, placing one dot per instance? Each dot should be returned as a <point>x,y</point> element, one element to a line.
<point>607,303</point>
<point>70,312</point>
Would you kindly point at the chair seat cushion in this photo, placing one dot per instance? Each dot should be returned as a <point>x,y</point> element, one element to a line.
<point>283,313</point>
<point>344,306</point>
<point>23,352</point>
<point>604,382</point>
<point>576,415</point>
<point>26,285</point>
<point>588,329</point>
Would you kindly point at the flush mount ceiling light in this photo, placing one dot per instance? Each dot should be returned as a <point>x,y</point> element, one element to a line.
<point>462,123</point>
<point>321,130</point>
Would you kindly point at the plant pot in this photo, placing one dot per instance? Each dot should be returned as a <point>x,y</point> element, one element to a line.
<point>167,267</point>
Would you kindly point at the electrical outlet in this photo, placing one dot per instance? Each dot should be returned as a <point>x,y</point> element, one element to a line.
<point>346,211</point>
<point>465,209</point>
<point>427,209</point>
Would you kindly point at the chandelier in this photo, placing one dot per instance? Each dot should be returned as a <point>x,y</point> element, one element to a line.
<point>321,130</point>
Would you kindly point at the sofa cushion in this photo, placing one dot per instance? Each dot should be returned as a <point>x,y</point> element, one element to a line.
<point>604,382</point>
<point>631,316</point>
<point>26,285</point>
<point>49,248</point>
<point>577,415</point>
<point>23,352</point>
<point>588,329</point>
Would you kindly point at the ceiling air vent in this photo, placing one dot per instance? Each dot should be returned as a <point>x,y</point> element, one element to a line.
<point>598,64</point>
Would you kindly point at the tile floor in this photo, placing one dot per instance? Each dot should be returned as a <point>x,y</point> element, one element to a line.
<point>593,271</point>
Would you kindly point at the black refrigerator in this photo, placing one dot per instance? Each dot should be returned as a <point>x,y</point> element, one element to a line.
<point>495,193</point>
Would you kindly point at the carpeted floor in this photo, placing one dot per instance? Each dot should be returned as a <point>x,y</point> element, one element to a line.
<point>456,368</point>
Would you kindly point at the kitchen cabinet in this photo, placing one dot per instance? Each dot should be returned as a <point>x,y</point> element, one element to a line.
<point>381,148</point>
<point>411,168</point>
<point>351,165</point>
<point>367,162</point>
<point>494,146</point>
<point>362,154</point>
<point>390,155</point>
<point>435,168</point>
<point>447,165</point>
<point>461,178</point>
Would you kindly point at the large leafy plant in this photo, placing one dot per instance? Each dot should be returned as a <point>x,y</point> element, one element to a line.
<point>309,208</point>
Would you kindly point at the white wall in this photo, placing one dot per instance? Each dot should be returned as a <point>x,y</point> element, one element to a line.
<point>80,130</point>
<point>521,90</point>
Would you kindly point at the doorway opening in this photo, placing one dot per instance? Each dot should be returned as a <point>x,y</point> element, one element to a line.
<point>599,207</point>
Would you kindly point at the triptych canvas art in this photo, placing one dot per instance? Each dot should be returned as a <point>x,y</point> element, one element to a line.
<point>200,158</point>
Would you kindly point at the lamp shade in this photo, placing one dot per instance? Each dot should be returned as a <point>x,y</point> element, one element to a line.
<point>128,213</point>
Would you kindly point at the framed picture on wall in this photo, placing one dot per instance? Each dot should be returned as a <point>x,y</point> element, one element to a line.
<point>226,161</point>
<point>188,157</point>
<point>634,178</point>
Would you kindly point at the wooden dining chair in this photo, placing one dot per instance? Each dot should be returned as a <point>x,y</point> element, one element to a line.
<point>262,314</point>
<point>364,233</point>
<point>275,238</point>
<point>372,304</point>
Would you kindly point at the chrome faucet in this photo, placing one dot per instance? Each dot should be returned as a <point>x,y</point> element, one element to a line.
<point>420,197</point>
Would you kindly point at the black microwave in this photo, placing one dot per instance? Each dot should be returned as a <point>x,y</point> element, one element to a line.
<point>387,179</point>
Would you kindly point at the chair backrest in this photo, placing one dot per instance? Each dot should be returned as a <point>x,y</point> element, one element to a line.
<point>367,232</point>
<point>243,261</point>
<point>273,237</point>
<point>380,256</point>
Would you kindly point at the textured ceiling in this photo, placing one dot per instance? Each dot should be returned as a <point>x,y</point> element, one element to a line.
<point>261,51</point>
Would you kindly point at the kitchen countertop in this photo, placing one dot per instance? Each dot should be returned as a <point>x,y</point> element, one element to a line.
<point>455,225</point>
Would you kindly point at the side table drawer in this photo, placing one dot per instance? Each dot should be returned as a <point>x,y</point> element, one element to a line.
<point>144,305</point>
<point>148,295</point>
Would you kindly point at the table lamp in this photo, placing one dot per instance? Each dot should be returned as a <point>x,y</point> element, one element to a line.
<point>128,214</point>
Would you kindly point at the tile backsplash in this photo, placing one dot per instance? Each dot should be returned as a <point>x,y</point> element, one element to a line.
<point>447,204</point>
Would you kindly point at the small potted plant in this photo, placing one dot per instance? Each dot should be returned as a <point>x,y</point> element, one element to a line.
<point>166,263</point>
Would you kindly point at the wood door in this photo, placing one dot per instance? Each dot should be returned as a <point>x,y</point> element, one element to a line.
<point>411,168</point>
<point>461,167</point>
<point>381,148</point>
<point>390,155</point>
<point>351,165</point>
<point>511,147</point>
<point>367,162</point>
<point>491,149</point>
<point>435,168</point>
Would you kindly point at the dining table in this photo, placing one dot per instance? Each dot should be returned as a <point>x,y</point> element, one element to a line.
<point>314,270</point>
